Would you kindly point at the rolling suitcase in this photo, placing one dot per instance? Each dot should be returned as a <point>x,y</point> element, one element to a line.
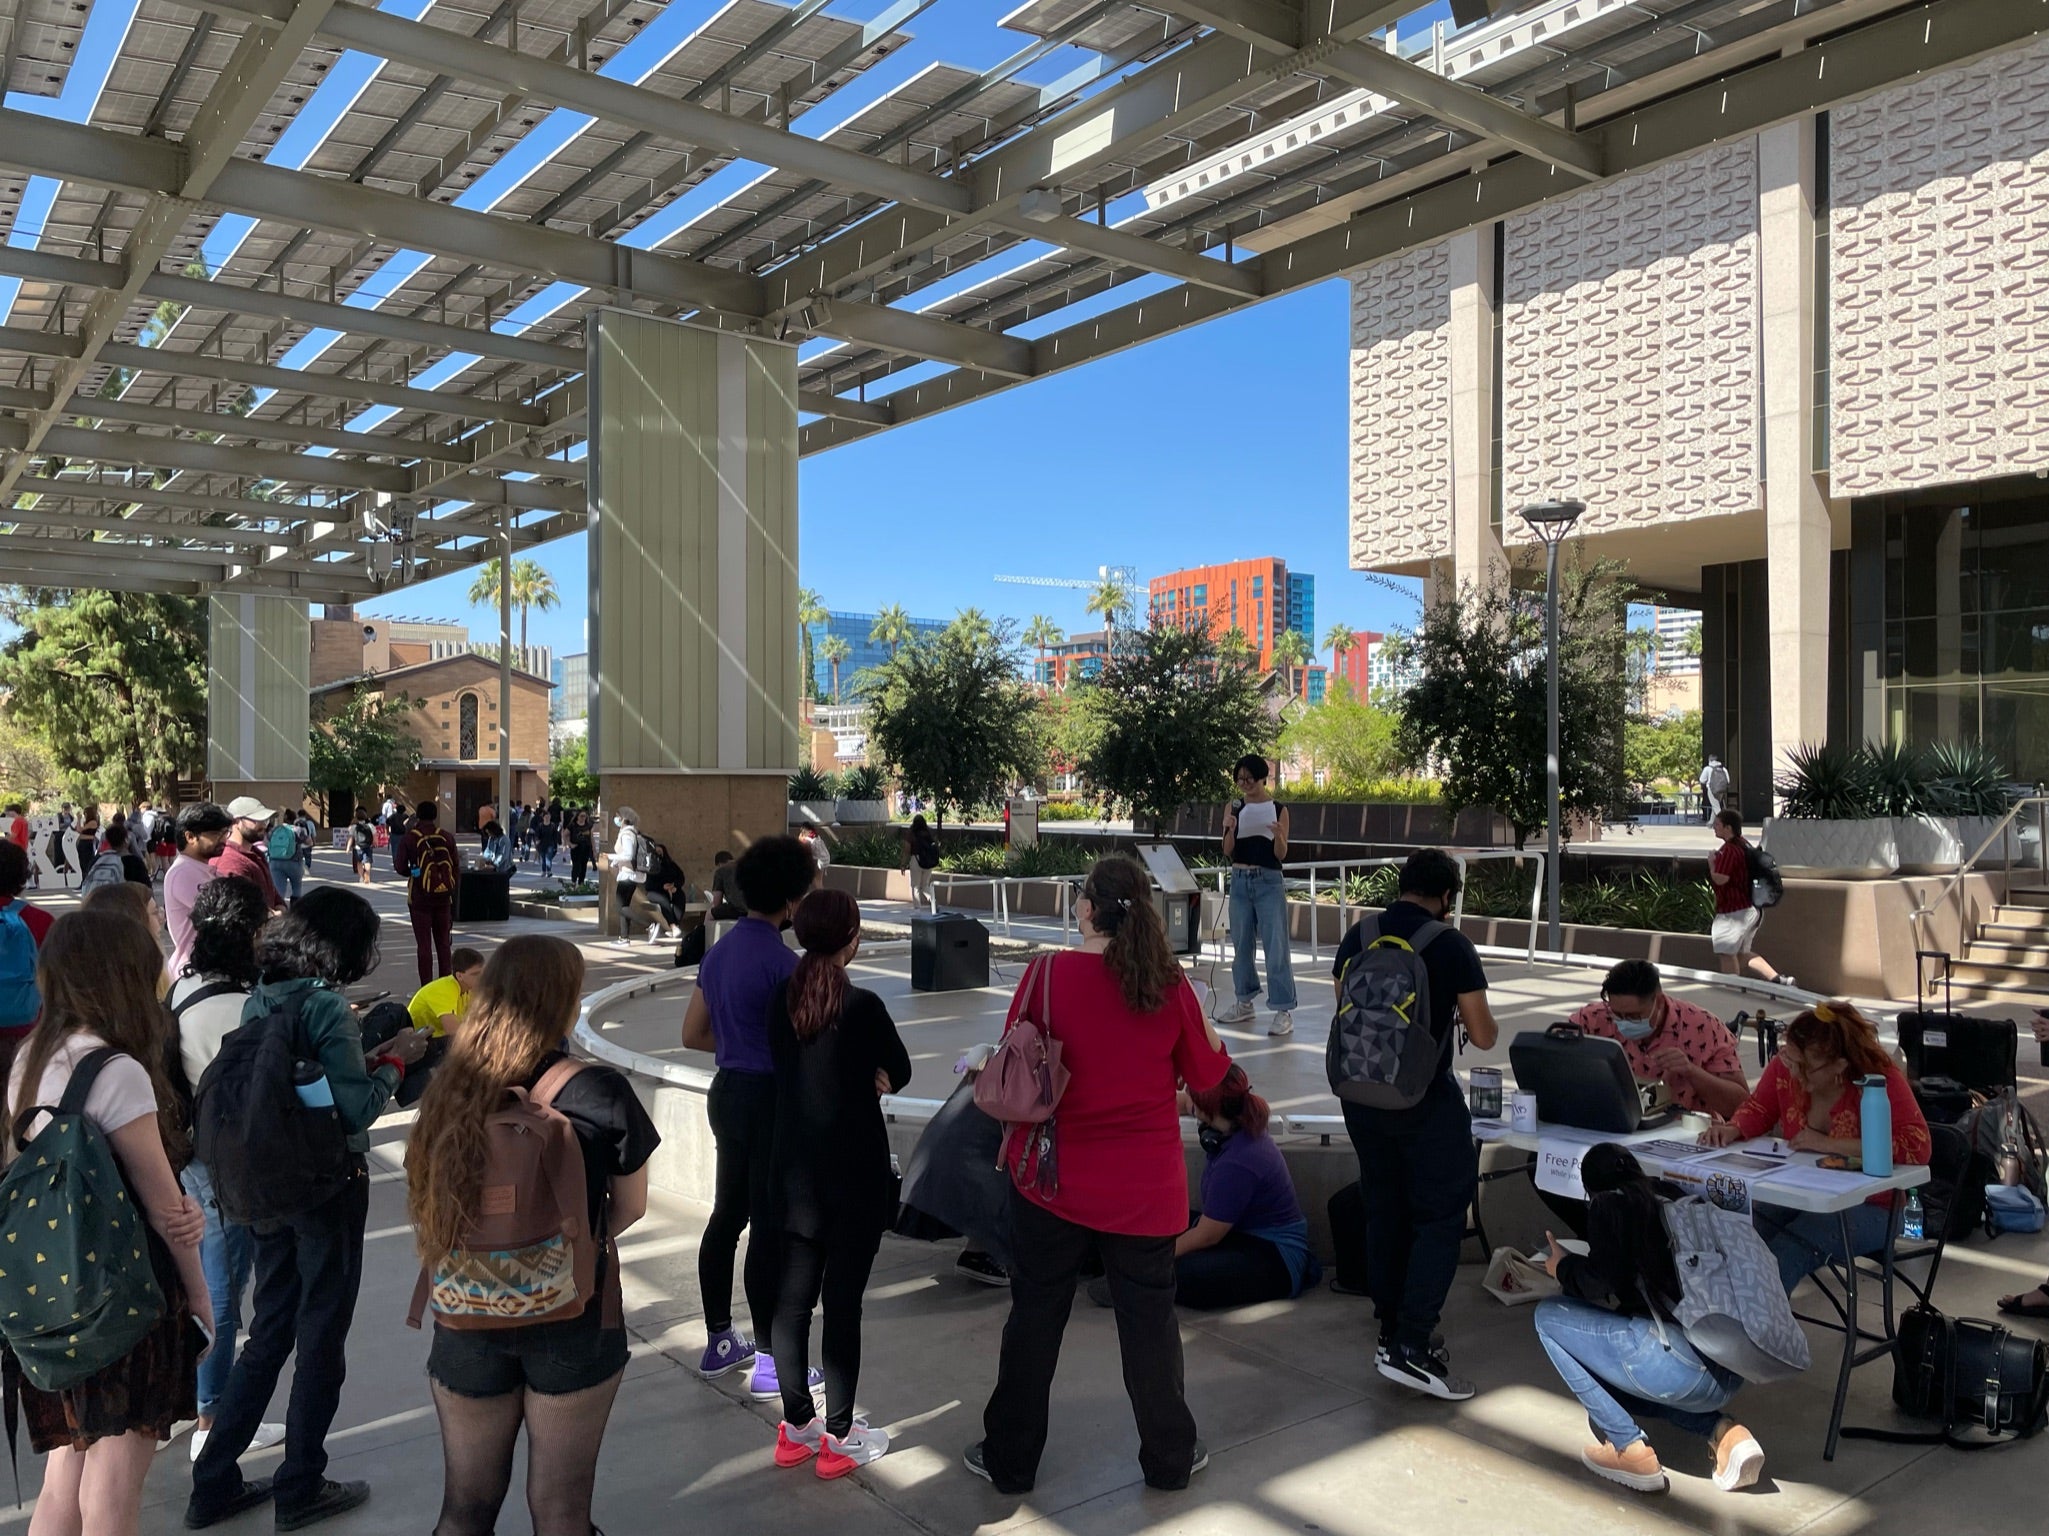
<point>1979,1053</point>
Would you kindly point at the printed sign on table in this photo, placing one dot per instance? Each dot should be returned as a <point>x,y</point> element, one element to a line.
<point>1558,1168</point>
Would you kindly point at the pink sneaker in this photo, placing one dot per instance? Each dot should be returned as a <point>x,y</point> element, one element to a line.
<point>860,1446</point>
<point>794,1447</point>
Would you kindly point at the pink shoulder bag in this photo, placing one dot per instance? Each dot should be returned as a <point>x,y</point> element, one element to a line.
<point>1022,1083</point>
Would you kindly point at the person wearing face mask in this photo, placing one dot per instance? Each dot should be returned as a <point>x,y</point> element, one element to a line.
<point>1810,1097</point>
<point>1669,1040</point>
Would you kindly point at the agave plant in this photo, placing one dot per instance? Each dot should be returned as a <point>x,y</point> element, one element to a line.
<point>862,783</point>
<point>809,784</point>
<point>1966,779</point>
<point>1899,780</point>
<point>1826,783</point>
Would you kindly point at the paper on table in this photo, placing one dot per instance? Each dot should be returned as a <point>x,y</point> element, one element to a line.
<point>1827,1181</point>
<point>1489,1130</point>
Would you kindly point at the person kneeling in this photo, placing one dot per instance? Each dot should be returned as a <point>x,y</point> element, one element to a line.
<point>1613,1339</point>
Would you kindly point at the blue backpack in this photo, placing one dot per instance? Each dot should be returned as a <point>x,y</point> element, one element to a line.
<point>21,1001</point>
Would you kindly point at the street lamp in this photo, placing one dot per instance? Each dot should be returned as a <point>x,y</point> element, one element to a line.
<point>1551,521</point>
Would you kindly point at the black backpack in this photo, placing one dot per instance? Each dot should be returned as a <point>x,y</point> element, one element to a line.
<point>271,1154</point>
<point>1767,885</point>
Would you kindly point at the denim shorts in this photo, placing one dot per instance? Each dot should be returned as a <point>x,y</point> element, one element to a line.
<point>548,1358</point>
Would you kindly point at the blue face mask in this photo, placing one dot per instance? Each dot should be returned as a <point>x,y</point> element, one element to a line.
<point>1633,1029</point>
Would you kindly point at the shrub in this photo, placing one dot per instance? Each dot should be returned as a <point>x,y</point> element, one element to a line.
<point>1395,791</point>
<point>862,783</point>
<point>870,850</point>
<point>1966,779</point>
<point>1066,810</point>
<point>1826,783</point>
<point>809,784</point>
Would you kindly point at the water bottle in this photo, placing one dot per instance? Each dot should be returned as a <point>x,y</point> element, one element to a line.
<point>311,1084</point>
<point>1876,1113</point>
<point>1912,1225</point>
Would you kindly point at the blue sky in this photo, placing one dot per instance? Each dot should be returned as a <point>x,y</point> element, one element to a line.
<point>1225,442</point>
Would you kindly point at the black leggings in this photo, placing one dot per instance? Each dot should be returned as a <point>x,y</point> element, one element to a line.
<point>839,1270</point>
<point>741,1108</point>
<point>1237,1272</point>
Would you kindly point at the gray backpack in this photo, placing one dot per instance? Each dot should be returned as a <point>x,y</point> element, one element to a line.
<point>105,870</point>
<point>1382,1052</point>
<point>1732,1305</point>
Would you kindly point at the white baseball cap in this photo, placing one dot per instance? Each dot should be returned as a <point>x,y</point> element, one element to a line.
<point>249,808</point>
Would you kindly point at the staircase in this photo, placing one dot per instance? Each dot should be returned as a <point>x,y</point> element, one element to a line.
<point>2008,960</point>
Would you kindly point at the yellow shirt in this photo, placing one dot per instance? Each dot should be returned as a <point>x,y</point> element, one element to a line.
<point>436,998</point>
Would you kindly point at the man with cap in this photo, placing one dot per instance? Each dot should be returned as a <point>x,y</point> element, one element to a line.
<point>200,830</point>
<point>242,854</point>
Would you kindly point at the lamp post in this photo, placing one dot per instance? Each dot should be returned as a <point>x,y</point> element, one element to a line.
<point>1551,521</point>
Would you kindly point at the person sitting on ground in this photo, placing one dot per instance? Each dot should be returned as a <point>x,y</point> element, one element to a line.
<point>725,888</point>
<point>1668,1039</point>
<point>98,972</point>
<point>836,1053</point>
<point>1612,1337</point>
<point>557,1378</point>
<point>440,1006</point>
<point>1810,1096</point>
<point>206,1004</point>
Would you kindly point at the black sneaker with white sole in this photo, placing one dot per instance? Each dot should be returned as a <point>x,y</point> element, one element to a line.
<point>1386,1344</point>
<point>1426,1371</point>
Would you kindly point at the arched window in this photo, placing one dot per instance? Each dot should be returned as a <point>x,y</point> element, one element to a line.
<point>466,728</point>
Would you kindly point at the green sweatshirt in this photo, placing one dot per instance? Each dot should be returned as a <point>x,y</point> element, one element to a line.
<point>360,1095</point>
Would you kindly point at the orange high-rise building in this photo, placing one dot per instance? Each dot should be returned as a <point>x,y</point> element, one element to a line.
<point>1259,598</point>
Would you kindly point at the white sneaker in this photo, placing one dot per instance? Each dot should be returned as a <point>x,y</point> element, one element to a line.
<point>1283,1023</point>
<point>1239,1012</point>
<point>265,1437</point>
<point>838,1457</point>
<point>654,933</point>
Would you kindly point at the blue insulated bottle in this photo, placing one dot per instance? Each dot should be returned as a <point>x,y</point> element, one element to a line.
<point>1876,1114</point>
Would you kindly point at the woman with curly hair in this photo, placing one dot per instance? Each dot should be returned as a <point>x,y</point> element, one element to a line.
<point>1810,1097</point>
<point>557,1378</point>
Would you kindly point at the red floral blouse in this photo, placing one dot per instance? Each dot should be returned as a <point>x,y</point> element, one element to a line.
<point>1779,1105</point>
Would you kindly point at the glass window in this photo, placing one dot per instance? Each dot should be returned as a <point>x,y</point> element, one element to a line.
<point>2015,642</point>
<point>1923,716</point>
<point>466,728</point>
<point>1934,555</point>
<point>2013,556</point>
<point>2017,727</point>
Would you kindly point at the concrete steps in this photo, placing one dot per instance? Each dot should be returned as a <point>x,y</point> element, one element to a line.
<point>2007,962</point>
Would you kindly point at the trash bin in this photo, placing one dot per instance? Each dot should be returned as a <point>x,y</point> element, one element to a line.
<point>949,952</point>
<point>483,896</point>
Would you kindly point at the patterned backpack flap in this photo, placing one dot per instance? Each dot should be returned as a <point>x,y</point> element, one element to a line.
<point>1732,1304</point>
<point>77,1293</point>
<point>528,1256</point>
<point>1382,1052</point>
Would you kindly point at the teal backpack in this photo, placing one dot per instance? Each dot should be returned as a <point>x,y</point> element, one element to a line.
<point>77,1291</point>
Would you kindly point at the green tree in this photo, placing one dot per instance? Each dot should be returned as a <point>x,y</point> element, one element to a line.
<point>361,746</point>
<point>1169,721</point>
<point>973,625</point>
<point>1340,641</point>
<point>114,683</point>
<point>1476,712</point>
<point>1662,751</point>
<point>1042,634</point>
<point>953,719</point>
<point>891,629</point>
<point>1234,648</point>
<point>1348,739</point>
<point>570,779</point>
<point>810,611</point>
<point>1111,601</point>
<point>1291,654</point>
<point>532,587</point>
<point>835,650</point>
<point>28,768</point>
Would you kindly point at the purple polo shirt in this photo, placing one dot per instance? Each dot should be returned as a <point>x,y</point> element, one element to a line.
<point>739,977</point>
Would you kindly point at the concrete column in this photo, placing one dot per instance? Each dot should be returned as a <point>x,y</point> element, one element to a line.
<point>1477,558</point>
<point>693,568</point>
<point>1798,525</point>
<point>259,651</point>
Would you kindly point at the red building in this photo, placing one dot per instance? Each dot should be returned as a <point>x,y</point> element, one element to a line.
<point>1354,667</point>
<point>1261,599</point>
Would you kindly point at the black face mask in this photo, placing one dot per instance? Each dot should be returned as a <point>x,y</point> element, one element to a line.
<point>1212,1139</point>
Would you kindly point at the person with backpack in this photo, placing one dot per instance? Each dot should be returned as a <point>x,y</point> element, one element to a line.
<point>1811,1098</point>
<point>1109,1176</point>
<point>1615,1338</point>
<point>1737,913</point>
<point>433,868</point>
<point>728,1015</point>
<point>244,850</point>
<point>107,867</point>
<point>629,861</point>
<point>511,1347</point>
<point>1256,843</point>
<point>206,1005</point>
<point>22,931</point>
<point>1714,785</point>
<point>101,1391</point>
<point>921,857</point>
<point>836,1052</point>
<point>304,1186</point>
<point>363,849</point>
<point>1408,1121</point>
<point>287,866</point>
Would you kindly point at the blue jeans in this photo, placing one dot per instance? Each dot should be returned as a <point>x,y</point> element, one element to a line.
<point>224,1256</point>
<point>288,873</point>
<point>1618,1368</point>
<point>1802,1242</point>
<point>1259,909</point>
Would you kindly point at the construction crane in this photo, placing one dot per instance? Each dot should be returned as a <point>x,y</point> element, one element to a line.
<point>1126,576</point>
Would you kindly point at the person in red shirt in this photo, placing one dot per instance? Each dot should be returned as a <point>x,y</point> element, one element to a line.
<point>1668,1039</point>
<point>242,854</point>
<point>1131,1031</point>
<point>1737,917</point>
<point>14,873</point>
<point>1810,1097</point>
<point>427,856</point>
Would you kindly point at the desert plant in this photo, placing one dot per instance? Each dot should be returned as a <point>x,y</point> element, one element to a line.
<point>861,783</point>
<point>1898,780</point>
<point>870,850</point>
<point>1826,783</point>
<point>810,784</point>
<point>1966,779</point>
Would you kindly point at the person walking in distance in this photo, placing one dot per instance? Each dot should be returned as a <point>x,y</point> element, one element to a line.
<point>628,862</point>
<point>308,1263</point>
<point>728,1015</point>
<point>1418,1165</point>
<point>555,1376</point>
<point>1256,843</point>
<point>428,856</point>
<point>1714,786</point>
<point>1737,916</point>
<point>580,834</point>
<point>242,852</point>
<point>836,1053</point>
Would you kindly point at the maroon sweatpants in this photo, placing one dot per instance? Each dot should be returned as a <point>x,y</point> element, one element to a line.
<point>432,922</point>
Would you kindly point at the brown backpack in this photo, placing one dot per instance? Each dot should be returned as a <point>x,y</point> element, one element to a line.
<point>528,1255</point>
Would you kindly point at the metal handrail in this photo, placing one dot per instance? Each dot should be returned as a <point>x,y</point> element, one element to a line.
<point>1956,881</point>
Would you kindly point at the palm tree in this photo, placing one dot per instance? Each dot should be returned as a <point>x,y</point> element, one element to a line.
<point>1291,651</point>
<point>1339,641</point>
<point>835,650</point>
<point>973,626</point>
<point>1112,600</point>
<point>1043,634</point>
<point>892,627</point>
<point>810,611</point>
<point>1234,647</point>
<point>532,587</point>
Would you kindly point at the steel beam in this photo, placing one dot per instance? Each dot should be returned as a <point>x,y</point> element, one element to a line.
<point>130,527</point>
<point>246,507</point>
<point>264,429</point>
<point>137,448</point>
<point>819,403</point>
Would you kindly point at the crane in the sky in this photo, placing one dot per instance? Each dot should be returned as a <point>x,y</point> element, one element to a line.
<point>1113,591</point>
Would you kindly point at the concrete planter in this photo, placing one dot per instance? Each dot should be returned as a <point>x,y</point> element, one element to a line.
<point>816,813</point>
<point>1867,849</point>
<point>862,813</point>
